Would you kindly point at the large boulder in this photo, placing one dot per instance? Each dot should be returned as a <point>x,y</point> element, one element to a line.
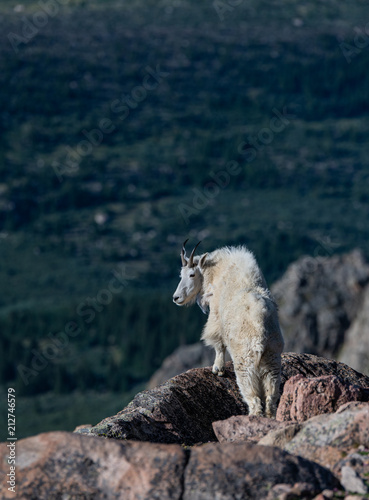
<point>248,471</point>
<point>355,350</point>
<point>183,409</point>
<point>304,397</point>
<point>61,465</point>
<point>58,465</point>
<point>310,366</point>
<point>325,439</point>
<point>180,411</point>
<point>318,299</point>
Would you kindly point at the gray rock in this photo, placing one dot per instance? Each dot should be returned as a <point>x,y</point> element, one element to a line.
<point>318,300</point>
<point>356,472</point>
<point>280,437</point>
<point>355,350</point>
<point>351,481</point>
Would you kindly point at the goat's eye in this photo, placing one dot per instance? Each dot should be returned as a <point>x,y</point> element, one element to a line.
<point>192,275</point>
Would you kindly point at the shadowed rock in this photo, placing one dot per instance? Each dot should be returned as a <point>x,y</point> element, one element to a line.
<point>245,470</point>
<point>62,465</point>
<point>183,409</point>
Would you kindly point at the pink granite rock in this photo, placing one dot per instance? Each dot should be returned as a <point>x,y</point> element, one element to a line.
<point>304,398</point>
<point>242,428</point>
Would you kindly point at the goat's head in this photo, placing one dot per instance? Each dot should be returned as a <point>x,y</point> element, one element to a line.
<point>191,277</point>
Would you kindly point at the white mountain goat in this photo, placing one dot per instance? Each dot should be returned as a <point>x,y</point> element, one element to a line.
<point>243,318</point>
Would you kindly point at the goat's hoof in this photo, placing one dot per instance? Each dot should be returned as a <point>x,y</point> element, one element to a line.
<point>218,371</point>
<point>256,414</point>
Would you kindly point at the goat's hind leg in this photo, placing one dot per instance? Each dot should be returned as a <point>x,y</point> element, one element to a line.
<point>271,383</point>
<point>250,386</point>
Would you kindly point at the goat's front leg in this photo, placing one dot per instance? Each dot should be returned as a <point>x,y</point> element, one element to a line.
<point>212,336</point>
<point>218,366</point>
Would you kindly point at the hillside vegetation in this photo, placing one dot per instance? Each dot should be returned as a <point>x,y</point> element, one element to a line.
<point>127,127</point>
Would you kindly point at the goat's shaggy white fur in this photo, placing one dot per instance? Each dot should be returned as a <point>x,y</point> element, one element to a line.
<point>243,318</point>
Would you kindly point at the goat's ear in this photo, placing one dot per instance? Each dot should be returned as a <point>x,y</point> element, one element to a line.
<point>202,260</point>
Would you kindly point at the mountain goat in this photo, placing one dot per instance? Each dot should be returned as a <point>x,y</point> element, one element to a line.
<point>243,318</point>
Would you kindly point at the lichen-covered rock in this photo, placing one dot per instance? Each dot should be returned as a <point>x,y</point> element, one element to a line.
<point>326,438</point>
<point>353,471</point>
<point>280,436</point>
<point>183,409</point>
<point>304,397</point>
<point>63,465</point>
<point>243,428</point>
<point>58,465</point>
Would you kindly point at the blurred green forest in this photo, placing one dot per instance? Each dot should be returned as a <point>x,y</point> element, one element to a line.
<point>116,119</point>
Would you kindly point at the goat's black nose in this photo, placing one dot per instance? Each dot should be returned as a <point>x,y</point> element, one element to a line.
<point>176,298</point>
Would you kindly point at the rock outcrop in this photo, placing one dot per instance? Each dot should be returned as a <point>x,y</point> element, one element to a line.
<point>60,465</point>
<point>306,459</point>
<point>355,349</point>
<point>180,411</point>
<point>325,439</point>
<point>304,397</point>
<point>183,409</point>
<point>318,300</point>
<point>245,470</point>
